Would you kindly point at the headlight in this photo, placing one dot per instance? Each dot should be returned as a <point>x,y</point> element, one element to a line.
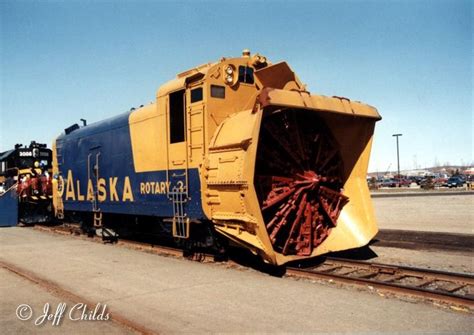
<point>229,75</point>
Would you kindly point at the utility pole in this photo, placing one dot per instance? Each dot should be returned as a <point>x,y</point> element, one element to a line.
<point>398,155</point>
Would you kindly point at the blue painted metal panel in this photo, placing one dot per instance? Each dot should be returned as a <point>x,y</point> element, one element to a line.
<point>9,208</point>
<point>111,138</point>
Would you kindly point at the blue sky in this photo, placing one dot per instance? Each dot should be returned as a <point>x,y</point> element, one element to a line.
<point>66,60</point>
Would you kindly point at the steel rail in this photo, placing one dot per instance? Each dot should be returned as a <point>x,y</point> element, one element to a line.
<point>398,273</point>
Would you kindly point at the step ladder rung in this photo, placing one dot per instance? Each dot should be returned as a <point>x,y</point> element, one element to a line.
<point>180,218</point>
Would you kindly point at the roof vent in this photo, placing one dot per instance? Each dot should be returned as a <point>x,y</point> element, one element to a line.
<point>70,129</point>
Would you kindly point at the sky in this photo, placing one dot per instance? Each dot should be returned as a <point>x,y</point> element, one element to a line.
<point>61,61</point>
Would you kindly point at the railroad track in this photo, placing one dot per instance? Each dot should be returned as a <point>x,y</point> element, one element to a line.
<point>159,249</point>
<point>438,286</point>
<point>424,240</point>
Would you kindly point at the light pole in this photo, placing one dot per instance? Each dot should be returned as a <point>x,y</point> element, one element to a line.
<point>398,156</point>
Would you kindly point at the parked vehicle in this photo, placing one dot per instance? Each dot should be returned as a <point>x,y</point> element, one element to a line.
<point>440,181</point>
<point>404,182</point>
<point>416,179</point>
<point>455,182</point>
<point>388,183</point>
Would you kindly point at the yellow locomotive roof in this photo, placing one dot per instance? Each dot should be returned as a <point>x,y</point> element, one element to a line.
<point>181,79</point>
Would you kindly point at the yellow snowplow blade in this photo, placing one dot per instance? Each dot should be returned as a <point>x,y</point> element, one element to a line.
<point>233,156</point>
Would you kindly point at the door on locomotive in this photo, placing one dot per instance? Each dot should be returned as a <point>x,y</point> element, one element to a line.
<point>177,149</point>
<point>177,162</point>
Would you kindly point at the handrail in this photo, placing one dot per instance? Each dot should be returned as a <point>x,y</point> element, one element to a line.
<point>88,167</point>
<point>187,136</point>
<point>9,189</point>
<point>96,193</point>
<point>167,144</point>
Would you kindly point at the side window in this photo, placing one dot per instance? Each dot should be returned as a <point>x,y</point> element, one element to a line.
<point>246,75</point>
<point>196,94</point>
<point>177,113</point>
<point>218,91</point>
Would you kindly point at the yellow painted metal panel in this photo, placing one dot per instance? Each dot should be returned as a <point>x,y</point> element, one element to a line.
<point>148,139</point>
<point>296,99</point>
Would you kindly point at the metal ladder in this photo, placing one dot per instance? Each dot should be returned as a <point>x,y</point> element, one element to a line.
<point>180,218</point>
<point>107,234</point>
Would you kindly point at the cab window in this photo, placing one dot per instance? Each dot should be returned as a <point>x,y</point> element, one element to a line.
<point>196,94</point>
<point>246,75</point>
<point>218,91</point>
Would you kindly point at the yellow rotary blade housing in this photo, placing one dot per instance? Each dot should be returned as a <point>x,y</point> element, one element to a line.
<point>248,146</point>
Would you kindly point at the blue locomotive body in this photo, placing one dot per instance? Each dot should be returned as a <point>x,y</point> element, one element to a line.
<point>96,168</point>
